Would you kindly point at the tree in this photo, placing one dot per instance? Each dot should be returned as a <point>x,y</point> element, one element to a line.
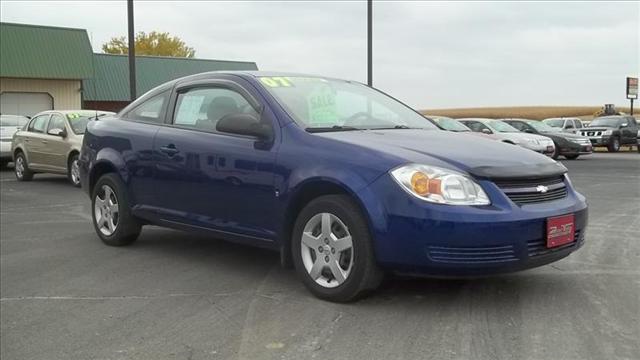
<point>154,44</point>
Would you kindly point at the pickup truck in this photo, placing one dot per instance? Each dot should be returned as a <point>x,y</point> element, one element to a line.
<point>612,131</point>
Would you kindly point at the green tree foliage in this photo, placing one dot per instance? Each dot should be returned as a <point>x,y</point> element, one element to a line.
<point>154,44</point>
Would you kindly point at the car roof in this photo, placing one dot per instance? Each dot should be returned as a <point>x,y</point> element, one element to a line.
<point>477,119</point>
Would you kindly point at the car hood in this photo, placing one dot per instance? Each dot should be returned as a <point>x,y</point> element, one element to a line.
<point>480,157</point>
<point>520,136</point>
<point>564,135</point>
<point>6,132</point>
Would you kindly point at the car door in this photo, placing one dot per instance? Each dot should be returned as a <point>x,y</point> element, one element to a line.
<point>55,147</point>
<point>33,142</point>
<point>629,132</point>
<point>210,179</point>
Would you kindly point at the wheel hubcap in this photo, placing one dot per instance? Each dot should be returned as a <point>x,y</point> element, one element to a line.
<point>19,167</point>
<point>327,250</point>
<point>75,172</point>
<point>105,210</point>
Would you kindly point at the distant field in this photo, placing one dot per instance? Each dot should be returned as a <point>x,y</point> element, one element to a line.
<point>527,112</point>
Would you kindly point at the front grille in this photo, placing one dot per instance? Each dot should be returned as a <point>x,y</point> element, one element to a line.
<point>592,133</point>
<point>539,247</point>
<point>486,254</point>
<point>527,191</point>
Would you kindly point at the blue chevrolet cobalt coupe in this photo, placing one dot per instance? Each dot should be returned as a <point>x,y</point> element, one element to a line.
<point>345,182</point>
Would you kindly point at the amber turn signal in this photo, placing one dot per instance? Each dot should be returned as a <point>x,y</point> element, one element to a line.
<point>423,186</point>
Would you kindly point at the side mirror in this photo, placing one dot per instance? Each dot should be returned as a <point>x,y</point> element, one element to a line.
<point>529,131</point>
<point>624,125</point>
<point>244,124</point>
<point>486,131</point>
<point>57,132</point>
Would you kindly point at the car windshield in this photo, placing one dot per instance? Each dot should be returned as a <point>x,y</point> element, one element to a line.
<point>79,120</point>
<point>13,120</point>
<point>542,127</point>
<point>606,121</point>
<point>501,126</point>
<point>320,104</point>
<point>555,122</point>
<point>451,124</point>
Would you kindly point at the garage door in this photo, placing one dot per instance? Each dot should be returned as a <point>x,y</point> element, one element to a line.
<point>26,104</point>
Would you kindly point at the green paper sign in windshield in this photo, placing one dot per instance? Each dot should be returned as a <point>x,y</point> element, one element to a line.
<point>322,106</point>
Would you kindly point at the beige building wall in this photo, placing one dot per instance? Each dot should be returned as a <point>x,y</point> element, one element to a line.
<point>66,93</point>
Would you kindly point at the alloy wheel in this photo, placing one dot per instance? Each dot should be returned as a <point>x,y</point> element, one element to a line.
<point>19,167</point>
<point>75,172</point>
<point>105,210</point>
<point>327,250</point>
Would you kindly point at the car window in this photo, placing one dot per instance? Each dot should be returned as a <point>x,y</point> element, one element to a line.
<point>202,108</point>
<point>56,122</point>
<point>578,124</point>
<point>476,126</point>
<point>518,125</point>
<point>632,121</point>
<point>38,124</point>
<point>569,124</point>
<point>151,110</point>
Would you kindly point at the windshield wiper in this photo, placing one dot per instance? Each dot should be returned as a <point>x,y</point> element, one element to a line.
<point>331,128</point>
<point>394,127</point>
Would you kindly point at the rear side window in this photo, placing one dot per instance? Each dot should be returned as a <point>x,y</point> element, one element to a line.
<point>38,124</point>
<point>56,122</point>
<point>202,108</point>
<point>476,126</point>
<point>151,110</point>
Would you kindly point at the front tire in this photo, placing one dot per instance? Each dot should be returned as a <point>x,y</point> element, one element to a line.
<point>614,145</point>
<point>73,171</point>
<point>112,217</point>
<point>333,250</point>
<point>21,168</point>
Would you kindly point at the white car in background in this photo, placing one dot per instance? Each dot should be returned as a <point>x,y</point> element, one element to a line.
<point>506,133</point>
<point>9,124</point>
<point>567,124</point>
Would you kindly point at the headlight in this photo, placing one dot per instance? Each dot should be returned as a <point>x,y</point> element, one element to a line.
<point>438,185</point>
<point>607,132</point>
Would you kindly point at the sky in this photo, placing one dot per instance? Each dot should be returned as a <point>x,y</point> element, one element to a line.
<point>428,54</point>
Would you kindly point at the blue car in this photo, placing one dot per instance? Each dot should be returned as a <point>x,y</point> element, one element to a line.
<point>344,181</point>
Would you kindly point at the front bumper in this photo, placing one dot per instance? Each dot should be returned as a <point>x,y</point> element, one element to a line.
<point>415,237</point>
<point>600,140</point>
<point>546,148</point>
<point>5,149</point>
<point>576,149</point>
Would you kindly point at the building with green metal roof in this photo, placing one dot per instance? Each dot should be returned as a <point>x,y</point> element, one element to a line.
<point>45,68</point>
<point>108,89</point>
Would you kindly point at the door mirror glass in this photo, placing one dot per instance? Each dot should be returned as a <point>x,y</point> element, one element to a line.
<point>529,131</point>
<point>624,125</point>
<point>244,124</point>
<point>486,131</point>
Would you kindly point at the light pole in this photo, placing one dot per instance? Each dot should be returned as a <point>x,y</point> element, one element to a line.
<point>132,51</point>
<point>369,43</point>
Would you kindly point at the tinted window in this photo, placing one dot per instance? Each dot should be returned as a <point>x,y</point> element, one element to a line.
<point>579,124</point>
<point>476,126</point>
<point>518,125</point>
<point>569,124</point>
<point>151,110</point>
<point>202,108</point>
<point>56,122</point>
<point>39,123</point>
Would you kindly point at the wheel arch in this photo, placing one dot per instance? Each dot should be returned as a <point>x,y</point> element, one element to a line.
<point>303,194</point>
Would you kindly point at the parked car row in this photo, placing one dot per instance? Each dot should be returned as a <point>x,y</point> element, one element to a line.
<point>49,142</point>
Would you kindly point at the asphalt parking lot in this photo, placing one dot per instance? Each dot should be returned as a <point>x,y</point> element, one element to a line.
<point>172,295</point>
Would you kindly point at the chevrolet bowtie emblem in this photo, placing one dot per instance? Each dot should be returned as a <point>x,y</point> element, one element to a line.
<point>542,189</point>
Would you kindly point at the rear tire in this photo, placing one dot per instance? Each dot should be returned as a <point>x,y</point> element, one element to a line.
<point>73,172</point>
<point>21,168</point>
<point>111,212</point>
<point>571,157</point>
<point>614,145</point>
<point>330,237</point>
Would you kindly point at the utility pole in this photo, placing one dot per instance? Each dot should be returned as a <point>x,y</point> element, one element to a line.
<point>369,42</point>
<point>132,51</point>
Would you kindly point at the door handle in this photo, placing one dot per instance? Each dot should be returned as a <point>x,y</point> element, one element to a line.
<point>169,149</point>
<point>44,142</point>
